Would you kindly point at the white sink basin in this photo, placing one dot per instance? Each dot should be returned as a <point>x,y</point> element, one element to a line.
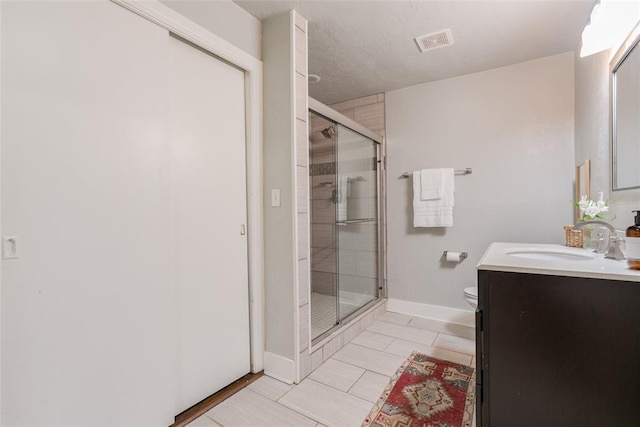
<point>550,254</point>
<point>554,259</point>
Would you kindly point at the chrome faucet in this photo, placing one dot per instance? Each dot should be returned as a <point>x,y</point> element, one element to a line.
<point>613,250</point>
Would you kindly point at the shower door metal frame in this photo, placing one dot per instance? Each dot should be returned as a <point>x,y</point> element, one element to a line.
<point>322,110</point>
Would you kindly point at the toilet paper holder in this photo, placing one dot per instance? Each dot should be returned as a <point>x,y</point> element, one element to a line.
<point>463,255</point>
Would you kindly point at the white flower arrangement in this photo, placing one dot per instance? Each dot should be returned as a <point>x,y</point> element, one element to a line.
<point>590,210</point>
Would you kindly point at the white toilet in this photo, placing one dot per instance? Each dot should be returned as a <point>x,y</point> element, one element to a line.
<point>471,296</point>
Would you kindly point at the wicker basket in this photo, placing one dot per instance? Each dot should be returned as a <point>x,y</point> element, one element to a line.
<point>573,237</point>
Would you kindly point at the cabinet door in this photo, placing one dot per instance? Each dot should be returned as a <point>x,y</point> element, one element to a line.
<point>560,350</point>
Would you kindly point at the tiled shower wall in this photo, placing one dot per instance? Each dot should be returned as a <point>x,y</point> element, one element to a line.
<point>302,186</point>
<point>367,111</point>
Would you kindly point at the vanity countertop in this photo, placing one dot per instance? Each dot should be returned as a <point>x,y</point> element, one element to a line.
<point>497,258</point>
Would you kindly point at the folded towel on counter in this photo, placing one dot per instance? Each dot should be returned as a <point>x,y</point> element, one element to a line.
<point>435,212</point>
<point>431,184</point>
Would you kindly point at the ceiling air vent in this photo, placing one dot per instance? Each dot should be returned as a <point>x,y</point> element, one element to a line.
<point>434,40</point>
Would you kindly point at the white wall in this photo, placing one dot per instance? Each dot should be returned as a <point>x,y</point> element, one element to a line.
<point>593,140</point>
<point>279,163</point>
<point>622,202</point>
<point>514,127</point>
<point>592,118</point>
<point>286,160</point>
<point>223,18</point>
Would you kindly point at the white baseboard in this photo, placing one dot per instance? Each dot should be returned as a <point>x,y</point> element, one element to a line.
<point>279,367</point>
<point>435,312</point>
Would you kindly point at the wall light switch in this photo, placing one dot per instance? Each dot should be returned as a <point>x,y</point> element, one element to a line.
<point>9,247</point>
<point>275,197</point>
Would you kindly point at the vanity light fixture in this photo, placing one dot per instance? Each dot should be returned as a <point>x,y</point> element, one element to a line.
<point>610,22</point>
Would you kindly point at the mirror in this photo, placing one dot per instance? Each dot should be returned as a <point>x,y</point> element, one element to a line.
<point>625,115</point>
<point>583,181</point>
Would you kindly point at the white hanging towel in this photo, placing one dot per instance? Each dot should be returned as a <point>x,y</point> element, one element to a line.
<point>435,212</point>
<point>342,196</point>
<point>431,184</point>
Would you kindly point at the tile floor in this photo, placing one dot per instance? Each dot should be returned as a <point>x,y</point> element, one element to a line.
<point>342,391</point>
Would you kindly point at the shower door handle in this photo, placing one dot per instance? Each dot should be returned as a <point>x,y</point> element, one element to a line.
<point>355,221</point>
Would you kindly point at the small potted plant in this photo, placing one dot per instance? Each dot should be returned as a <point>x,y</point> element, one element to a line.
<point>591,235</point>
<point>591,210</point>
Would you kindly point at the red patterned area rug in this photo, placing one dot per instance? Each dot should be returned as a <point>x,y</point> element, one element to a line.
<point>426,392</point>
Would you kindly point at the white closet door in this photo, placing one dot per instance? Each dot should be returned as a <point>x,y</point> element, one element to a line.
<point>87,306</point>
<point>207,129</point>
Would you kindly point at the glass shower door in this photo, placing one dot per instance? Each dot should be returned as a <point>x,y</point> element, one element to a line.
<point>356,202</point>
<point>344,186</point>
<point>322,169</point>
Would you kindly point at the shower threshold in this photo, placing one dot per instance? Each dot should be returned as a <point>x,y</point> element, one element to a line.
<point>329,319</point>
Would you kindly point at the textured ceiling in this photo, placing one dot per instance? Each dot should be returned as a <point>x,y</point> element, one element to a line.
<point>362,47</point>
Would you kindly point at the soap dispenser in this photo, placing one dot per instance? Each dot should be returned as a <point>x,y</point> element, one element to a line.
<point>633,244</point>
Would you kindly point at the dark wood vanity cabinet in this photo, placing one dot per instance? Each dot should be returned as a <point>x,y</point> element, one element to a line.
<point>557,351</point>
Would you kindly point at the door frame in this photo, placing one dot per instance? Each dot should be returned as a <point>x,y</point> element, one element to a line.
<point>176,23</point>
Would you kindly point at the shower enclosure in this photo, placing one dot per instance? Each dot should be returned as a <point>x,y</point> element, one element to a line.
<point>346,238</point>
